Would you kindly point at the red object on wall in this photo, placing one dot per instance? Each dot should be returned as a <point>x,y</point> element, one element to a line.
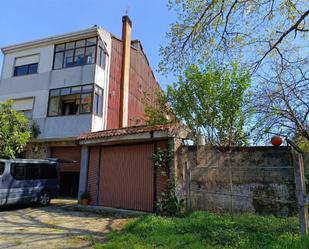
<point>276,141</point>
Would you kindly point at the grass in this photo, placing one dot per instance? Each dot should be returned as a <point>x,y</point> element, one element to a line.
<point>210,231</point>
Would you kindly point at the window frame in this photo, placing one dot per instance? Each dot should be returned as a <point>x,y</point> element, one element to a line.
<point>96,105</point>
<point>26,166</point>
<point>27,66</point>
<point>2,164</point>
<point>74,52</point>
<point>80,94</point>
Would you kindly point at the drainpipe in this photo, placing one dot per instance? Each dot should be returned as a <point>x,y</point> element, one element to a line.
<point>125,71</point>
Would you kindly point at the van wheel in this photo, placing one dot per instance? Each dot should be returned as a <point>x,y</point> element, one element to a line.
<point>44,199</point>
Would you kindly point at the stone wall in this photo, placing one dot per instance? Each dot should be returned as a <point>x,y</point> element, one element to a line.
<point>241,179</point>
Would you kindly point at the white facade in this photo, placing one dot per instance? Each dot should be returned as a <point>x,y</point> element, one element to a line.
<point>36,87</point>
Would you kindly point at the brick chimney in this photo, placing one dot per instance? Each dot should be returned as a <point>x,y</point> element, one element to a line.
<point>125,71</point>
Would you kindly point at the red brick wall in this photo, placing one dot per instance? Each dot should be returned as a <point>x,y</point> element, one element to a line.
<point>141,80</point>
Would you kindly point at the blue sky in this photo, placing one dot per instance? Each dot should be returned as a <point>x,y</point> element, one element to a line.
<point>22,21</point>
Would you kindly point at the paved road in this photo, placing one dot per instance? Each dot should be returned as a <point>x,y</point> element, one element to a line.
<point>52,227</point>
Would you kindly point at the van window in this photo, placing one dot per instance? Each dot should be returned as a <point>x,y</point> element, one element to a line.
<point>48,171</point>
<point>33,171</point>
<point>18,171</point>
<point>2,167</point>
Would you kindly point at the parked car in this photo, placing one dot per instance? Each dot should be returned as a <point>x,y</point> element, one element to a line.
<point>26,181</point>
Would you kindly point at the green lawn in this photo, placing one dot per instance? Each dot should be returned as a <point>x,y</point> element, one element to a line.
<point>205,230</point>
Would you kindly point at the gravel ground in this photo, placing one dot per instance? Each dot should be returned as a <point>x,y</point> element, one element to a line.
<point>53,227</point>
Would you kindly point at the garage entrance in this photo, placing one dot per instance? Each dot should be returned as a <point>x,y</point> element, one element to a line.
<point>69,171</point>
<point>126,177</point>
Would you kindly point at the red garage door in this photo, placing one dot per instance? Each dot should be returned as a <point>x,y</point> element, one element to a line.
<point>126,177</point>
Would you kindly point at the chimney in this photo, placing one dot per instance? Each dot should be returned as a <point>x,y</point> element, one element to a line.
<point>125,71</point>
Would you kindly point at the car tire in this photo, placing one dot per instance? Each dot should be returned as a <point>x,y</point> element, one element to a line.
<point>44,199</point>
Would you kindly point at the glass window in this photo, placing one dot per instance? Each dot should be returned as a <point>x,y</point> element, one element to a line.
<point>91,41</point>
<point>28,114</point>
<point>72,100</point>
<point>26,69</point>
<point>75,53</point>
<point>54,106</point>
<point>55,92</point>
<point>79,58</point>
<point>98,101</point>
<point>103,60</point>
<point>86,103</point>
<point>32,171</point>
<point>33,68</point>
<point>99,56</point>
<point>18,171</point>
<point>90,55</point>
<point>48,171</point>
<point>2,167</point>
<point>21,70</point>
<point>69,45</point>
<point>65,91</point>
<point>87,88</point>
<point>80,43</point>
<point>76,89</point>
<point>59,47</point>
<point>58,60</point>
<point>68,58</point>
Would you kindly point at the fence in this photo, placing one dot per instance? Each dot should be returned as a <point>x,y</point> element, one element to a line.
<point>241,179</point>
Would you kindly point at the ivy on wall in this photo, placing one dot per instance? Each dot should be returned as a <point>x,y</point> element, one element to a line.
<point>167,204</point>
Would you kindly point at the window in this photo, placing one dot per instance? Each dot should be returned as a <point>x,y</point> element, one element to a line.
<point>33,171</point>
<point>70,100</point>
<point>18,171</point>
<point>48,171</point>
<point>24,105</point>
<point>101,57</point>
<point>2,167</point>
<point>26,69</point>
<point>75,53</point>
<point>98,101</point>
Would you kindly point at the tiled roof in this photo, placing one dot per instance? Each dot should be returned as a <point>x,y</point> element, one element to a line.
<point>124,131</point>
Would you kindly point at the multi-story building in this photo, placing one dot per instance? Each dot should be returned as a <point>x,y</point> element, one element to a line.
<point>74,83</point>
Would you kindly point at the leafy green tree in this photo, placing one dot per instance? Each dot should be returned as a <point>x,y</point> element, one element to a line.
<point>159,112</point>
<point>14,131</point>
<point>210,101</point>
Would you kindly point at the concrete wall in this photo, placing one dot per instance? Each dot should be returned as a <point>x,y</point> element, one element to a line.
<point>249,179</point>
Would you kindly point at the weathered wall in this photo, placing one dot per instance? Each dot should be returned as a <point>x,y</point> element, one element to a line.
<point>142,81</point>
<point>243,179</point>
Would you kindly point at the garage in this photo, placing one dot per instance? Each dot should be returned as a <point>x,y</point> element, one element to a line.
<point>127,177</point>
<point>69,169</point>
<point>119,169</point>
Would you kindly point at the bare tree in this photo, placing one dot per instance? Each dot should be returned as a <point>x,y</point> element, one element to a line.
<point>250,30</point>
<point>281,101</point>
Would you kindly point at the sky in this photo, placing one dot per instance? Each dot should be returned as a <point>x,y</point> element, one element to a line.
<point>22,21</point>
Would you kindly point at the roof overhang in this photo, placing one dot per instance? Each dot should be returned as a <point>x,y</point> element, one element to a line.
<point>93,31</point>
<point>133,134</point>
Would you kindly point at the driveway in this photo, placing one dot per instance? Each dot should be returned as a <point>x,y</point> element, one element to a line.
<point>53,227</point>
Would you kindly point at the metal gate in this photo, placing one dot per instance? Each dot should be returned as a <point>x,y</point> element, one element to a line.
<point>126,177</point>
